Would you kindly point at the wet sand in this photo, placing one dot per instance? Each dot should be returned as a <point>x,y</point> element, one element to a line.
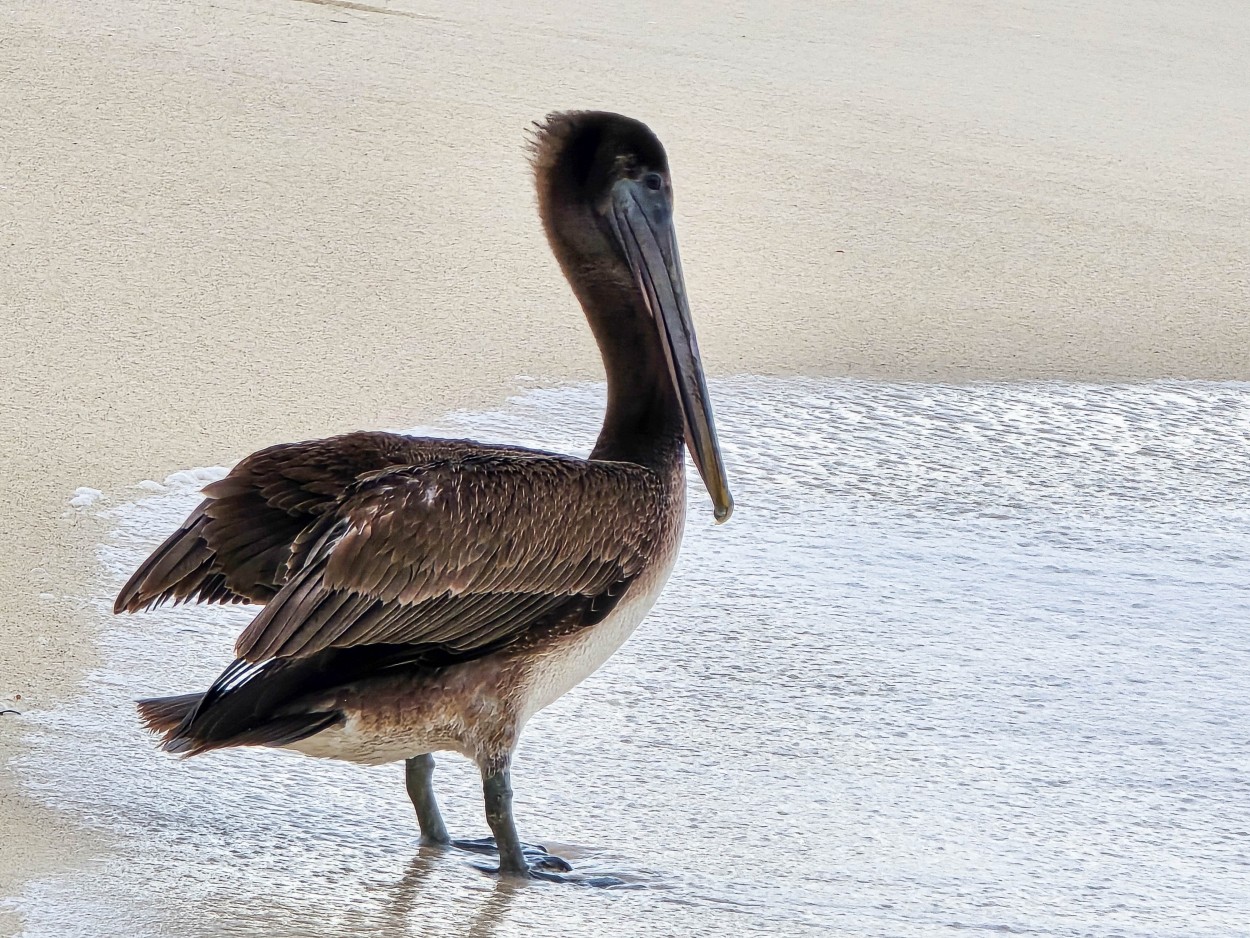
<point>996,681</point>
<point>229,225</point>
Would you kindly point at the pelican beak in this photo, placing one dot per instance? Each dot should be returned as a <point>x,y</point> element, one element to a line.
<point>642,220</point>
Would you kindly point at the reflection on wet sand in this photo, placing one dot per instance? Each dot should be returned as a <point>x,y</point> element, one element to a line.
<point>406,914</point>
<point>407,891</point>
<point>493,910</point>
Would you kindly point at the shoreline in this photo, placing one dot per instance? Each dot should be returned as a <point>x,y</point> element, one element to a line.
<point>174,817</point>
<point>30,851</point>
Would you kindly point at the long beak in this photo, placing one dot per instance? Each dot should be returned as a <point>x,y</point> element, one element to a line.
<point>642,219</point>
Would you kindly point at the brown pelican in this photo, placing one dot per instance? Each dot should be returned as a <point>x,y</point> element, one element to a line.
<point>427,595</point>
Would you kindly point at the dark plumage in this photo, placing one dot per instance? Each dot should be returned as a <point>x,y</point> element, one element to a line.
<point>236,545</point>
<point>433,594</point>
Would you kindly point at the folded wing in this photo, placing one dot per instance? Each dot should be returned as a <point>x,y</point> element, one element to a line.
<point>235,547</point>
<point>462,554</point>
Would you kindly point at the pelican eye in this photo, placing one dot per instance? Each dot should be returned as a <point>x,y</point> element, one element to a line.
<point>653,181</point>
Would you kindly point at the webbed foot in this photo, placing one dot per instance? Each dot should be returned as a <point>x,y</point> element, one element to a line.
<point>554,869</point>
<point>487,845</point>
<point>538,866</point>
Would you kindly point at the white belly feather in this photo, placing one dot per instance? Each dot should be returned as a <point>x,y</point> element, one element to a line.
<point>571,662</point>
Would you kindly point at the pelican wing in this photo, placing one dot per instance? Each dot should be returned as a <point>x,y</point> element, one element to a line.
<point>462,555</point>
<point>235,546</point>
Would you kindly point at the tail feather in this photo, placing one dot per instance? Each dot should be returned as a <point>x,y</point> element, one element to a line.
<point>273,703</point>
<point>283,730</point>
<point>164,714</point>
<point>173,718</point>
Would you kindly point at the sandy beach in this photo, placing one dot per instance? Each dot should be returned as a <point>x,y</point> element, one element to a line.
<point>226,225</point>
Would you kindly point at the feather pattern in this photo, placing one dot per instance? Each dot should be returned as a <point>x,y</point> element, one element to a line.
<point>464,552</point>
<point>235,547</point>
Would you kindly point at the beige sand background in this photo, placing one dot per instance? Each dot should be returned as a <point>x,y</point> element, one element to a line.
<point>225,224</point>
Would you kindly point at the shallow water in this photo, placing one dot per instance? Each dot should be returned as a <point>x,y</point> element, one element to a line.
<point>965,659</point>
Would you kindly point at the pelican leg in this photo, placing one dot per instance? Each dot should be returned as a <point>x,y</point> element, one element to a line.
<point>419,779</point>
<point>513,858</point>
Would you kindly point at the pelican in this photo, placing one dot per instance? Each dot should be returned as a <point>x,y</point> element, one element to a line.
<point>430,595</point>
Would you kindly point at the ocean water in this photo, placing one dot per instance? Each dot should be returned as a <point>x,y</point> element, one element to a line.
<point>966,659</point>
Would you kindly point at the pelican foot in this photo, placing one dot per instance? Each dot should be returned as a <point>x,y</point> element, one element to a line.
<point>539,864</point>
<point>554,869</point>
<point>488,845</point>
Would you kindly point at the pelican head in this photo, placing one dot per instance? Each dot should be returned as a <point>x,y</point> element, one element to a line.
<point>606,200</point>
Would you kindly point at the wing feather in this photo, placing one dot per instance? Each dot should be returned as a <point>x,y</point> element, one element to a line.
<point>462,552</point>
<point>236,546</point>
